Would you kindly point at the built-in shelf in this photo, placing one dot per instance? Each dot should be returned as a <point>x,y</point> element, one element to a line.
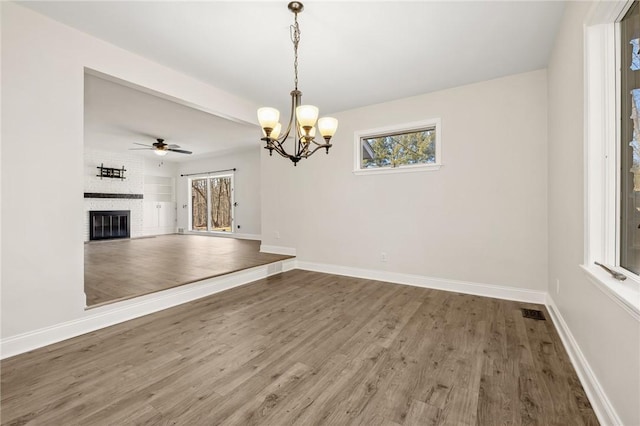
<point>159,188</point>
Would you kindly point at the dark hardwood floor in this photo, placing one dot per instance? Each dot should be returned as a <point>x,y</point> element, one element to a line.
<point>306,348</point>
<point>122,269</point>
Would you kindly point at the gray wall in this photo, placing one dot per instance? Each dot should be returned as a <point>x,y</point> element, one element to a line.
<point>481,218</point>
<point>607,335</point>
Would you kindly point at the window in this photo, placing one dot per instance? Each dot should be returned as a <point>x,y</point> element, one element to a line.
<point>611,201</point>
<point>211,205</point>
<point>630,140</point>
<point>404,148</point>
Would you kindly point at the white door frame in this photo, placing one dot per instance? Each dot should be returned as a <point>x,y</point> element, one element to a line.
<point>232,202</point>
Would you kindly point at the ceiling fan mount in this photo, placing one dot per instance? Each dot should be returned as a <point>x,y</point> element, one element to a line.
<point>161,148</point>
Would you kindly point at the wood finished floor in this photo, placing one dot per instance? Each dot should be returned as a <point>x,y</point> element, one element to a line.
<point>122,269</point>
<point>306,348</point>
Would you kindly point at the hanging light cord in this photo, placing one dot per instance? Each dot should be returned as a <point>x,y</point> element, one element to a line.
<point>295,38</point>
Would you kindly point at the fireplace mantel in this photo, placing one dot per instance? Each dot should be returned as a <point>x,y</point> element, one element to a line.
<point>107,195</point>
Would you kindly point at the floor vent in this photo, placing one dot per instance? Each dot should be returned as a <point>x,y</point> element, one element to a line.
<point>274,268</point>
<point>533,314</point>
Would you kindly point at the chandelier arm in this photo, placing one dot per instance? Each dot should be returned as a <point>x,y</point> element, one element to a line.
<point>318,144</point>
<point>327,146</point>
<point>277,146</point>
<point>280,151</point>
<point>295,99</point>
<point>300,146</point>
<point>273,144</point>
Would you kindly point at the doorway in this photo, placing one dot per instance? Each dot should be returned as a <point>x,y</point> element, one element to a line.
<point>211,204</point>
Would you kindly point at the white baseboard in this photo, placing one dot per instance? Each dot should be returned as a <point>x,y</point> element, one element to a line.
<point>105,316</point>
<point>599,401</point>
<point>487,290</point>
<point>286,251</point>
<point>237,235</point>
<point>255,237</point>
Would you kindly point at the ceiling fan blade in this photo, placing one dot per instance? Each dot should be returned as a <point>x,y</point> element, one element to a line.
<point>181,151</point>
<point>140,149</point>
<point>143,144</point>
<point>173,146</point>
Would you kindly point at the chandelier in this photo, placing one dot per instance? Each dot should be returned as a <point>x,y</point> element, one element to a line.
<point>303,118</point>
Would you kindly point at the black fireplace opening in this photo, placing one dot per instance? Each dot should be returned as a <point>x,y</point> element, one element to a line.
<point>108,224</point>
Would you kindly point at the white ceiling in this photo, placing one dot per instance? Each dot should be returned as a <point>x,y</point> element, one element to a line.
<point>117,116</point>
<point>351,53</point>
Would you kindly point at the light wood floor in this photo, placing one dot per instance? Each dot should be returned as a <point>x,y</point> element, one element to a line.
<point>122,269</point>
<point>306,348</point>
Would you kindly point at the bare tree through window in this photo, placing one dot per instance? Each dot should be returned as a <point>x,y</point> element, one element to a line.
<point>221,204</point>
<point>211,204</point>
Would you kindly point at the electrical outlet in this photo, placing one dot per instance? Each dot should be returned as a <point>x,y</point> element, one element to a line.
<point>383,257</point>
<point>558,285</point>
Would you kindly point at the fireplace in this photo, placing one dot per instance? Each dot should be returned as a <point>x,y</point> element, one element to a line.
<point>108,224</point>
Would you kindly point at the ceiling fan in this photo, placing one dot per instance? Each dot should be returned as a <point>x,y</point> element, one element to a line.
<point>161,148</point>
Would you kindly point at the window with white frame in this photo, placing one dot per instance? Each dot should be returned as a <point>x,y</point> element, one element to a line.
<point>211,203</point>
<point>629,104</point>
<point>612,232</point>
<point>401,148</point>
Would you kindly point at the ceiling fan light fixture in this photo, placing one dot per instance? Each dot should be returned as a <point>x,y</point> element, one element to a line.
<point>160,148</point>
<point>303,117</point>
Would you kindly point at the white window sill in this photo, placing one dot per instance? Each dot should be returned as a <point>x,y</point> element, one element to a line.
<point>402,169</point>
<point>625,293</point>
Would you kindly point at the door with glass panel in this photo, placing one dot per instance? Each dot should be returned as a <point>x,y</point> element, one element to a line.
<point>212,204</point>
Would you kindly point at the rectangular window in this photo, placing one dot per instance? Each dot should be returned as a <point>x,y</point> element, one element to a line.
<point>630,140</point>
<point>402,148</point>
<point>211,203</point>
<point>611,198</point>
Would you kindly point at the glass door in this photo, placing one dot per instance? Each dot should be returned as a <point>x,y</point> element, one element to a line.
<point>212,204</point>
<point>221,204</point>
<point>199,205</point>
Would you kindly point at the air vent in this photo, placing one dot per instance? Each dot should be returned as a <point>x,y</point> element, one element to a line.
<point>533,314</point>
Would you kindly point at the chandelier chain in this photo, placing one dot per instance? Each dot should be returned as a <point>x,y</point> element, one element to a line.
<point>295,38</point>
